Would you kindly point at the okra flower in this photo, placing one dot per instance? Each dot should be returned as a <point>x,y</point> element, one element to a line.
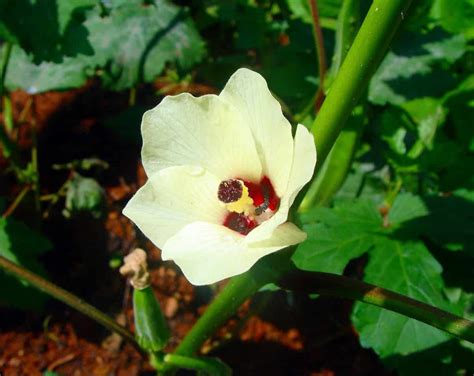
<point>222,172</point>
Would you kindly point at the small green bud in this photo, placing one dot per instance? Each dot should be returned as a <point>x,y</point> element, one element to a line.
<point>150,325</point>
<point>151,329</point>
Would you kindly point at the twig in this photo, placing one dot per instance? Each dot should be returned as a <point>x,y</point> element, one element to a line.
<point>321,52</point>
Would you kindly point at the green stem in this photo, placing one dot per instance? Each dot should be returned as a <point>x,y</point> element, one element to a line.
<point>238,289</point>
<point>8,148</point>
<point>348,22</point>
<point>345,287</point>
<point>335,168</point>
<point>362,60</point>
<point>209,366</point>
<point>6,58</point>
<point>67,298</point>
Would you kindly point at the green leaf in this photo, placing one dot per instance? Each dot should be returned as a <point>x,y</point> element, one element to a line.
<point>455,16</point>
<point>336,236</point>
<point>129,45</point>
<point>429,114</point>
<point>447,221</point>
<point>24,74</point>
<point>451,221</point>
<point>407,207</point>
<point>326,8</point>
<point>46,29</point>
<point>409,269</point>
<point>410,69</point>
<point>135,41</point>
<point>461,112</point>
<point>84,195</point>
<point>21,245</point>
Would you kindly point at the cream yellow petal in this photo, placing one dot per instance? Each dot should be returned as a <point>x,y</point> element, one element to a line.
<point>248,93</point>
<point>204,131</point>
<point>173,198</point>
<point>283,236</point>
<point>304,162</point>
<point>301,172</point>
<point>207,253</point>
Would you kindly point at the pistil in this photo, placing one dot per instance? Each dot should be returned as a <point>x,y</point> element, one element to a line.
<point>249,204</point>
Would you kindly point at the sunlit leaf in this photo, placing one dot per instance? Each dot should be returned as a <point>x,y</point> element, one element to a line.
<point>407,268</point>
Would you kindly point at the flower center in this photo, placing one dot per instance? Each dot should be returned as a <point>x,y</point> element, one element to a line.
<point>249,204</point>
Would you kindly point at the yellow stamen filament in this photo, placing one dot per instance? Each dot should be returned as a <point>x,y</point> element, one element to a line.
<point>244,204</point>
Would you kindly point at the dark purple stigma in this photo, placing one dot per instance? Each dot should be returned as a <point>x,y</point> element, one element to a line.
<point>229,191</point>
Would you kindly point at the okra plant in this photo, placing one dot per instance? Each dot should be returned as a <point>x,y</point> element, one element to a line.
<point>276,180</point>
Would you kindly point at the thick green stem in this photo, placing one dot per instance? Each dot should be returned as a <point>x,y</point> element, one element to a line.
<point>333,173</point>
<point>67,298</point>
<point>362,60</point>
<point>340,286</point>
<point>238,289</point>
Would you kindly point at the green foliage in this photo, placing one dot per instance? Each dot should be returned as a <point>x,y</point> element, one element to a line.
<point>84,195</point>
<point>25,74</point>
<point>455,16</point>
<point>128,45</point>
<point>415,67</point>
<point>135,41</point>
<point>407,268</point>
<point>337,236</point>
<point>23,246</point>
<point>326,8</point>
<point>275,40</point>
<point>60,32</point>
<point>398,260</point>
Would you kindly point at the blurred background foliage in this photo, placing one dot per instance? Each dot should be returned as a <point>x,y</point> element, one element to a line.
<point>402,192</point>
